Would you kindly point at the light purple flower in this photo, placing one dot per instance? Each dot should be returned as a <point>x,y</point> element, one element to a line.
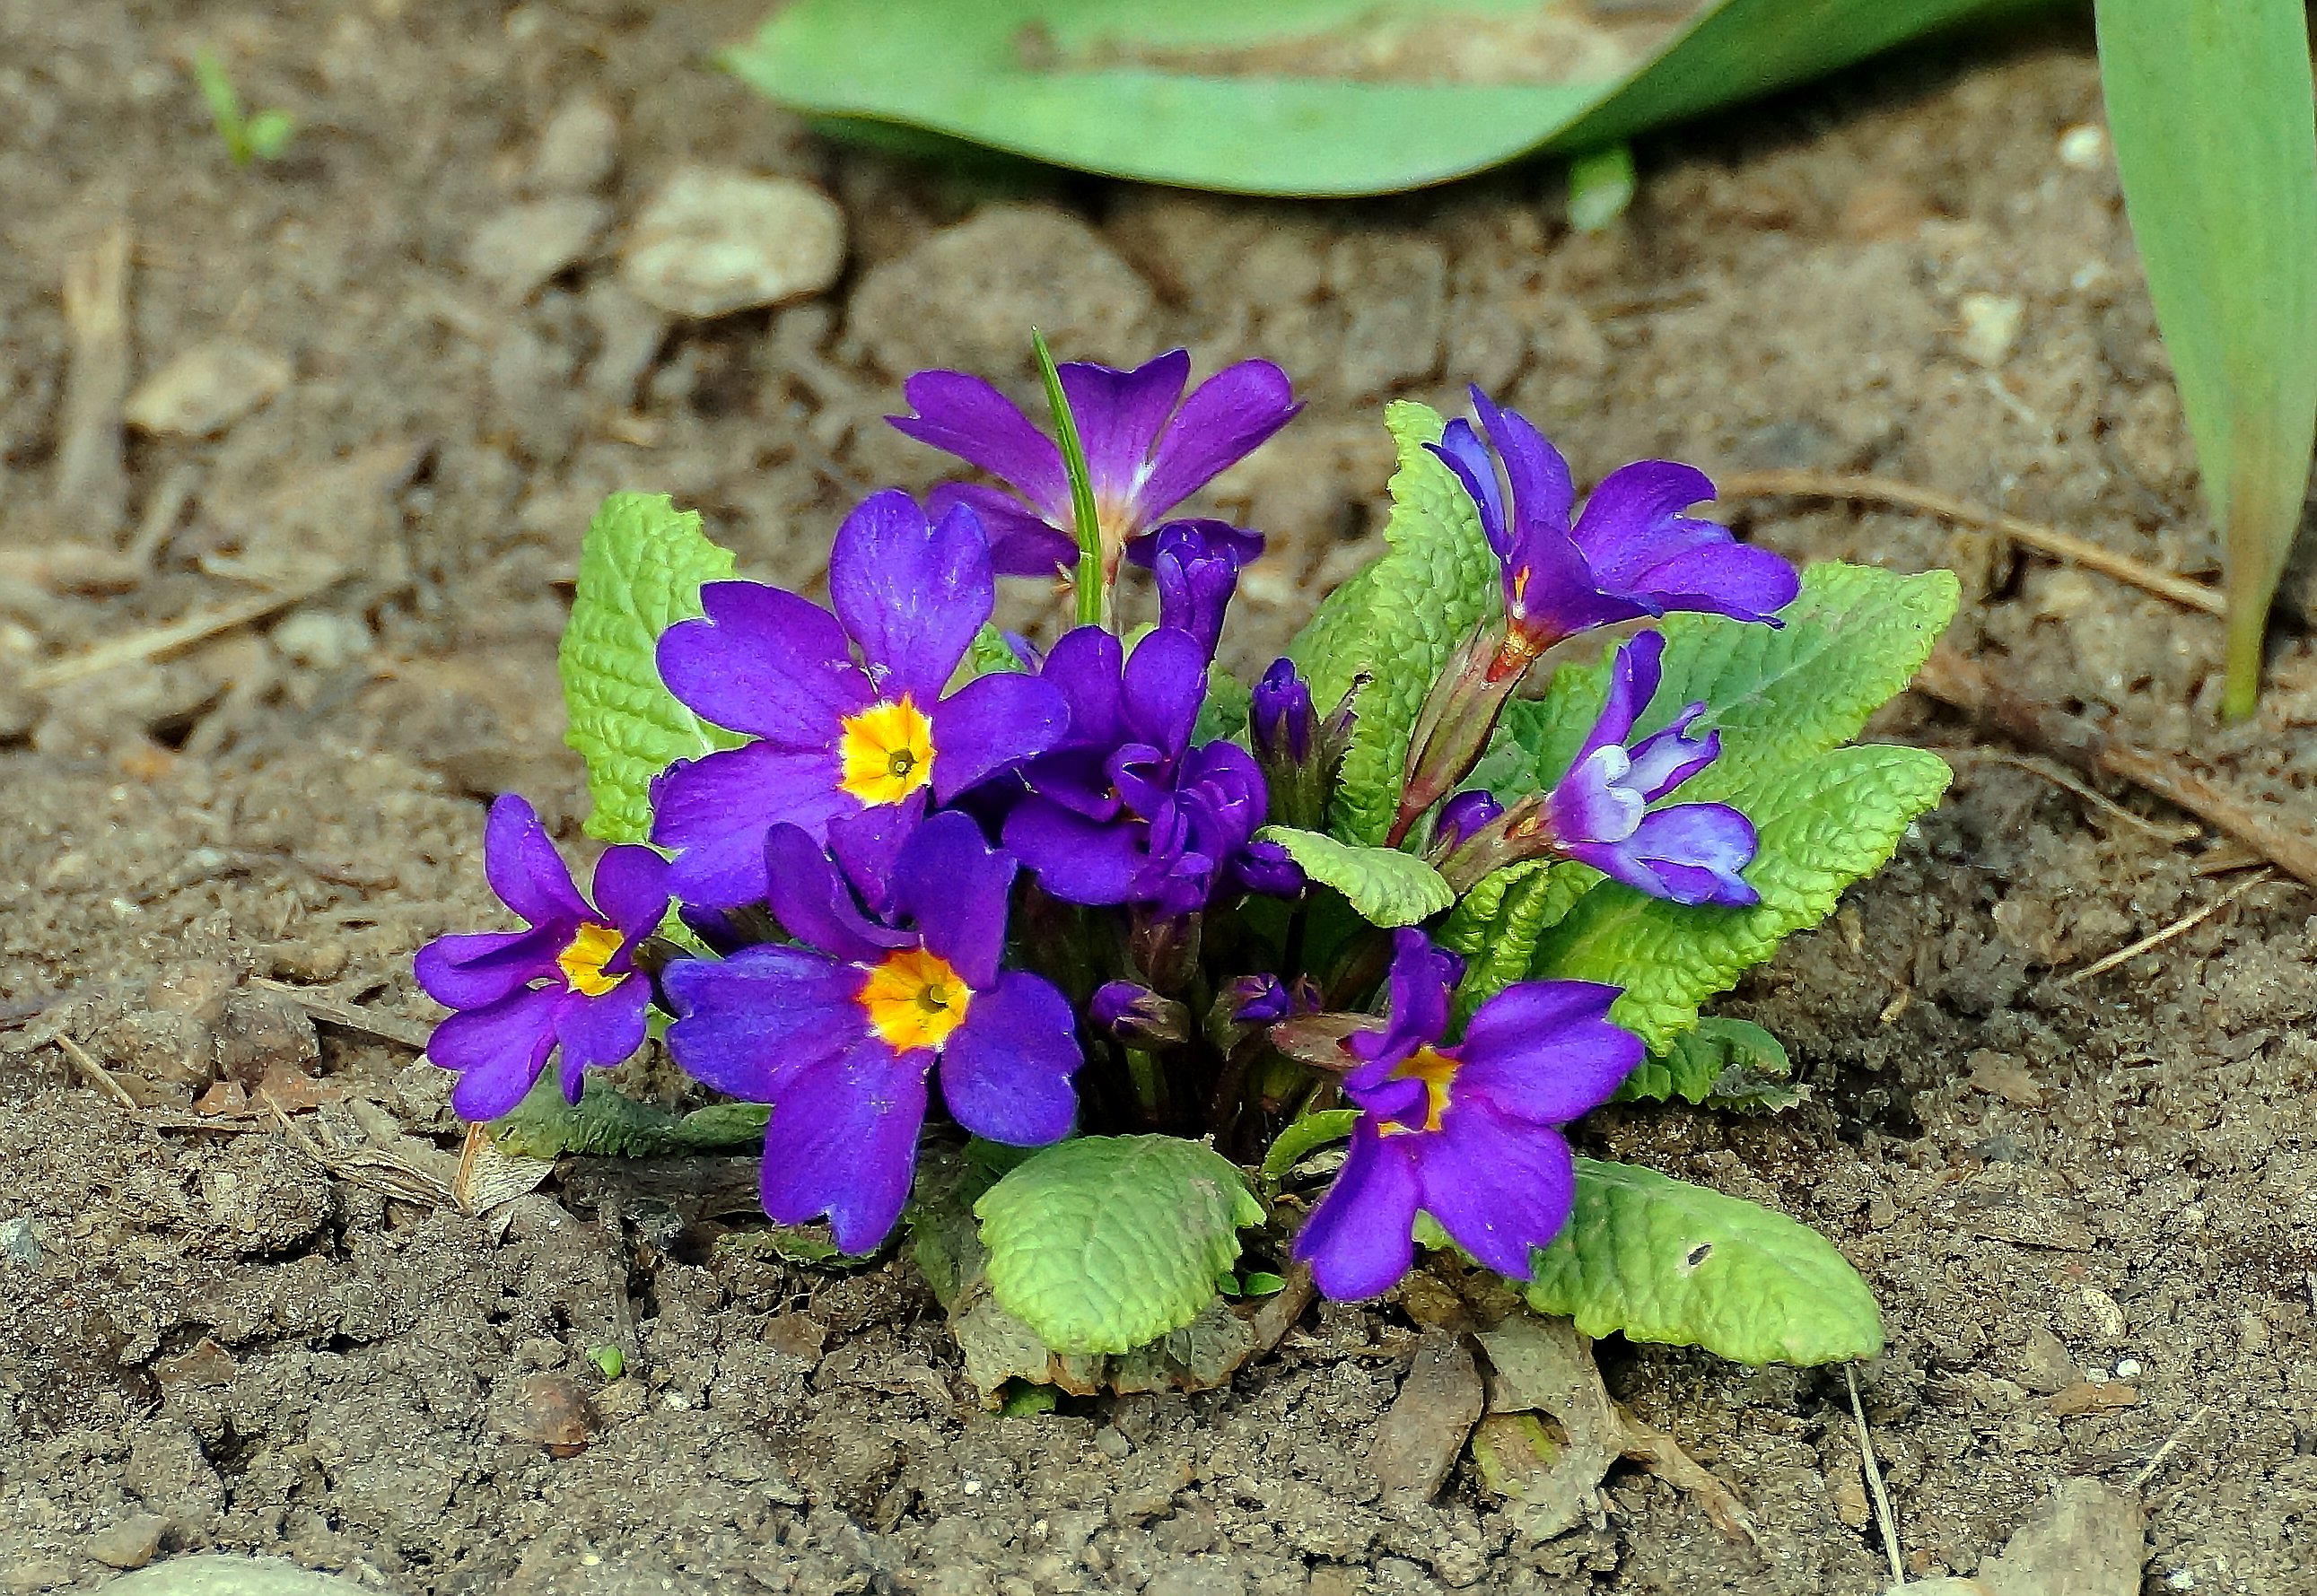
<point>1148,448</point>
<point>1631,553</point>
<point>569,980</point>
<point>1469,1134</point>
<point>840,1032</point>
<point>837,736</point>
<point>1600,812</point>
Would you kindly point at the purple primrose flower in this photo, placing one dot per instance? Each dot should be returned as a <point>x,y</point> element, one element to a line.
<point>1197,564</point>
<point>1469,1134</point>
<point>839,1031</point>
<point>569,980</point>
<point>1599,813</point>
<point>1631,553</point>
<point>1125,810</point>
<point>838,737</point>
<point>1148,448</point>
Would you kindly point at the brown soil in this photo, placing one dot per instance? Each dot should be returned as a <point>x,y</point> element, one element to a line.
<point>2115,1180</point>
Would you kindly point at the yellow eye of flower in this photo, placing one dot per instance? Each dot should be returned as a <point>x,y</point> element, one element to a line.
<point>914,999</point>
<point>886,752</point>
<point>1436,1070</point>
<point>583,960</point>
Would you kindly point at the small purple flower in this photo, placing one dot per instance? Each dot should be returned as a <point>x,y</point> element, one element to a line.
<point>1139,1016</point>
<point>1148,448</point>
<point>1299,754</point>
<point>1197,564</point>
<point>839,1031</point>
<point>838,737</point>
<point>1461,816</point>
<point>1631,553</point>
<point>1279,714</point>
<point>1469,1134</point>
<point>569,980</point>
<point>1599,812</point>
<point>1125,810</point>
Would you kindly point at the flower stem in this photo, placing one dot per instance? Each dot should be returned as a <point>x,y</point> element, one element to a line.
<point>1093,581</point>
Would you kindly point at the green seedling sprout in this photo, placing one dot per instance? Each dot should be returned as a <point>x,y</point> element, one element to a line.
<point>262,136</point>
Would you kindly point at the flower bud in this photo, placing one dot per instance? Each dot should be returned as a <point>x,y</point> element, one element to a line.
<point>1299,754</point>
<point>1459,818</point>
<point>1139,1016</point>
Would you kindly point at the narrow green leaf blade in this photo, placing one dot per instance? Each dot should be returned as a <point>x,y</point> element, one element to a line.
<point>2210,106</point>
<point>1102,1243</point>
<point>641,572</point>
<point>1399,620</point>
<point>1388,888</point>
<point>1656,1259</point>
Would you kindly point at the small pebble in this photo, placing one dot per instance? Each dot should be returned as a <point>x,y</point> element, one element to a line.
<point>129,1544</point>
<point>1990,326</point>
<point>18,1241</point>
<point>2129,1369</point>
<point>205,390</point>
<point>323,640</point>
<point>2084,148</point>
<point>714,241</point>
<point>549,1410</point>
<point>520,248</point>
<point>578,147</point>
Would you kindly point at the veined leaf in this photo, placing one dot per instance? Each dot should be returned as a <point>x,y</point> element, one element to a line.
<point>2210,105</point>
<point>1388,888</point>
<point>1497,925</point>
<point>1102,1243</point>
<point>1656,1259</point>
<point>1400,621</point>
<point>641,572</point>
<point>1734,1063</point>
<point>1299,96</point>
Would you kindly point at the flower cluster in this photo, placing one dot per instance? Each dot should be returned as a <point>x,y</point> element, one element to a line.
<point>946,877</point>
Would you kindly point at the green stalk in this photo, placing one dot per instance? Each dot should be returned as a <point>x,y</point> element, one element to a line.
<point>1094,592</point>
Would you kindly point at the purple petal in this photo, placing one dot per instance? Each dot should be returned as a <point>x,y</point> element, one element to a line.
<point>955,885</point>
<point>866,844</point>
<point>1545,1051</point>
<point>746,1025</point>
<point>1120,415</point>
<point>911,593</point>
<point>1665,759</point>
<point>1633,673</point>
<point>1074,859</point>
<point>1360,1240</point>
<point>1422,978</point>
<point>1021,544</point>
<point>1461,449</point>
<point>1725,577</point>
<point>1463,814</point>
<point>467,969</point>
<point>766,661</point>
<point>1084,664</point>
<point>843,1141</point>
<point>813,904</point>
<point>1542,490</point>
<point>1006,1072</point>
<point>598,1033</point>
<point>1166,682</point>
<point>1628,518</point>
<point>1226,419</point>
<point>497,1050</point>
<point>1594,804</point>
<point>991,722</point>
<point>631,890</point>
<point>1689,853</point>
<point>523,868</point>
<point>714,812</point>
<point>1500,1188</point>
<point>965,416</point>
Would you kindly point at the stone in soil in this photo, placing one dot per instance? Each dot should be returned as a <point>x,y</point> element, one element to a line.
<point>1423,1433</point>
<point>518,250</point>
<point>216,1575</point>
<point>712,241</point>
<point>130,1543</point>
<point>206,389</point>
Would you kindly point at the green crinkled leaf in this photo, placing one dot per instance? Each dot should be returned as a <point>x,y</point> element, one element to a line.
<point>1225,712</point>
<point>1103,1243</point>
<point>1399,619</point>
<point>1822,826</point>
<point>1656,1259</point>
<point>1388,888</point>
<point>991,654</point>
<point>605,1121</point>
<point>641,572</point>
<point>1496,925</point>
<point>1304,1136</point>
<point>1853,638</point>
<point>1720,1060</point>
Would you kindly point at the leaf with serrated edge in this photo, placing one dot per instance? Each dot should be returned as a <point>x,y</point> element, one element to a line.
<point>1496,925</point>
<point>1102,1243</point>
<point>1388,888</point>
<point>641,572</point>
<point>1400,621</point>
<point>1693,1064</point>
<point>1656,1259</point>
<point>1822,827</point>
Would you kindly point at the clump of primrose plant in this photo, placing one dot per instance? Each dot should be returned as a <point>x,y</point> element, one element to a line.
<point>1081,961</point>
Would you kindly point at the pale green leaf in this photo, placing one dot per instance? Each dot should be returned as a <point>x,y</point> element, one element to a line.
<point>1103,1243</point>
<point>1601,186</point>
<point>1497,925</point>
<point>1399,620</point>
<point>606,1121</point>
<point>1722,1060</point>
<point>1653,1259</point>
<point>1304,1136</point>
<point>641,572</point>
<point>1388,888</point>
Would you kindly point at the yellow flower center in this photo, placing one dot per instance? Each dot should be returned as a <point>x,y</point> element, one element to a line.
<point>584,960</point>
<point>887,752</point>
<point>1436,1070</point>
<point>914,999</point>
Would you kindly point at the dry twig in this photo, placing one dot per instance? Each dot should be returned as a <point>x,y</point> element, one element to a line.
<point>1873,1471</point>
<point>2147,1470</point>
<point>1953,680</point>
<point>2043,540</point>
<point>98,1075</point>
<point>325,1010</point>
<point>2125,955</point>
<point>92,483</point>
<point>154,641</point>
